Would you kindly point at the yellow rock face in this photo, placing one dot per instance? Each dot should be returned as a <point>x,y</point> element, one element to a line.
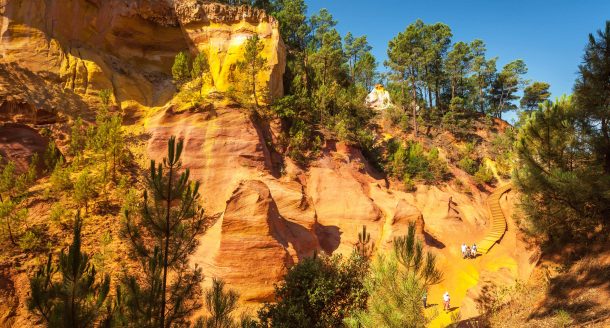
<point>207,30</point>
<point>129,47</point>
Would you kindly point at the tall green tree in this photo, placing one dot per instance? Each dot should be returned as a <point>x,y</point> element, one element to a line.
<point>458,66</point>
<point>565,195</point>
<point>436,39</point>
<point>484,71</point>
<point>366,71</point>
<point>296,32</point>
<point>505,87</point>
<point>328,56</point>
<point>355,49</point>
<point>163,236</point>
<point>593,95</point>
<point>534,94</point>
<point>253,64</point>
<point>405,53</point>
<point>77,299</point>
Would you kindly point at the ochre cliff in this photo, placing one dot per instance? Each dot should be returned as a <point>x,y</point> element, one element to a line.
<point>129,46</point>
<point>55,56</point>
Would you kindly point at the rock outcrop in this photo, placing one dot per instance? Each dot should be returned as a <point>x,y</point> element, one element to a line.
<point>18,143</point>
<point>129,46</point>
<point>252,231</point>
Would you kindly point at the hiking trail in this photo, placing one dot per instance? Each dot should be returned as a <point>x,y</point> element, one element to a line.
<point>497,222</point>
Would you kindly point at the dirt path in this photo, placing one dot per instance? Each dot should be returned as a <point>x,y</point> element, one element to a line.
<point>461,275</point>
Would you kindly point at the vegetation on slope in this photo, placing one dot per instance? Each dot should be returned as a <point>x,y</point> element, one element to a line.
<point>440,89</point>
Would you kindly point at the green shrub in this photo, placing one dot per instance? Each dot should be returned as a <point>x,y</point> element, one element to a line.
<point>483,175</point>
<point>409,184</point>
<point>318,291</point>
<point>563,318</point>
<point>105,253</point>
<point>411,160</point>
<point>468,161</point>
<point>395,115</point>
<point>29,241</point>
<point>468,165</point>
<point>60,178</point>
<point>57,212</point>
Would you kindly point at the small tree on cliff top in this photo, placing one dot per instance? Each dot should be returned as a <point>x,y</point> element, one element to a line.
<point>180,69</point>
<point>162,237</point>
<point>253,64</point>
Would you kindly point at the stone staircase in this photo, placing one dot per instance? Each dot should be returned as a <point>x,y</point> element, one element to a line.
<point>497,222</point>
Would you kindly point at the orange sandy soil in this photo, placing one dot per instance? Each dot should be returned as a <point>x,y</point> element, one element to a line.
<point>506,262</point>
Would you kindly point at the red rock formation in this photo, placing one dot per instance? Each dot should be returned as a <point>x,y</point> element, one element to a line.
<point>256,244</point>
<point>18,143</point>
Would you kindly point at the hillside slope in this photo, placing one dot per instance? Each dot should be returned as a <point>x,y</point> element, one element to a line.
<point>265,219</point>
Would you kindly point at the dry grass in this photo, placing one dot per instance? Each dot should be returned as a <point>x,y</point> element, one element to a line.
<point>557,295</point>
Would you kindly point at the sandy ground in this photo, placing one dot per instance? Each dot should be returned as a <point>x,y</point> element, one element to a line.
<point>507,261</point>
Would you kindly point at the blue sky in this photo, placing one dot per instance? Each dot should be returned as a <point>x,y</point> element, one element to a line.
<point>548,35</point>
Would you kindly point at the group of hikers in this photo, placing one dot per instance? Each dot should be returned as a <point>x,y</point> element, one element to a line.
<point>469,252</point>
<point>446,301</point>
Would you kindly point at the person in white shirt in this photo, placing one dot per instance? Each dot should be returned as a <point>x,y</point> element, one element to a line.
<point>446,300</point>
<point>464,251</point>
<point>473,251</point>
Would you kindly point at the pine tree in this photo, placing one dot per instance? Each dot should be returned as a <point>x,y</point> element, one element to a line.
<point>201,67</point>
<point>505,87</point>
<point>564,195</point>
<point>220,304</point>
<point>13,191</point>
<point>458,65</point>
<point>535,94</point>
<point>484,71</point>
<point>107,139</point>
<point>78,137</point>
<point>78,298</point>
<point>366,71</point>
<point>11,216</point>
<point>180,68</point>
<point>593,96</point>
<point>163,238</point>
<point>84,189</point>
<point>364,246</point>
<point>7,180</point>
<point>253,64</point>
<point>51,156</point>
<point>396,285</point>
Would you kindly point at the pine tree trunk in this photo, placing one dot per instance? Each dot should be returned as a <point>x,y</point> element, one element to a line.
<point>165,253</point>
<point>606,134</point>
<point>437,95</point>
<point>254,87</point>
<point>414,109</point>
